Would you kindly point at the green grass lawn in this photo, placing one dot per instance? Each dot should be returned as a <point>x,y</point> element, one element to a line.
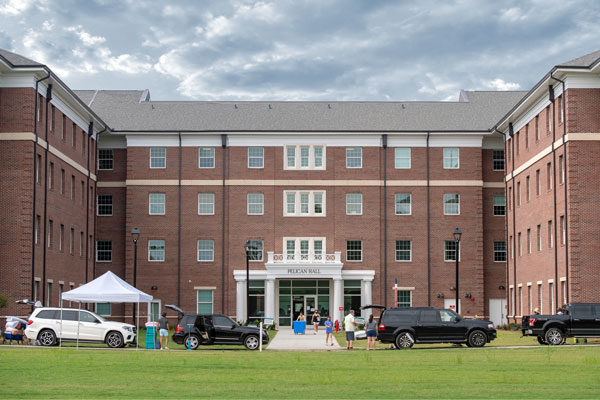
<point>544,372</point>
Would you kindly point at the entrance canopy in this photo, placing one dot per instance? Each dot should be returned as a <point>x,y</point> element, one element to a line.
<point>108,288</point>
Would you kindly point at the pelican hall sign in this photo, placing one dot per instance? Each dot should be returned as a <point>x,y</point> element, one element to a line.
<point>303,271</point>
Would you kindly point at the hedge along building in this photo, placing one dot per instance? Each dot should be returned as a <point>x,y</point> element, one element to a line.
<point>340,199</point>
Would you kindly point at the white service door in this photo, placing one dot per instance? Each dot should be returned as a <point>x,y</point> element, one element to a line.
<point>449,303</point>
<point>498,312</point>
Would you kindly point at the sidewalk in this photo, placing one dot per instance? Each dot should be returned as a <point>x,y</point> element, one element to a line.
<point>287,340</point>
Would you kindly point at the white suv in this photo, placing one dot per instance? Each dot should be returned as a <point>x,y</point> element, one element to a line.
<point>44,325</point>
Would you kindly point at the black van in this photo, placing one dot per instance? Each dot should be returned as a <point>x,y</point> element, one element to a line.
<point>406,326</point>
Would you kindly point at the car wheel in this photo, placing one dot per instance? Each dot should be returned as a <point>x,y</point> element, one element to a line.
<point>477,338</point>
<point>541,340</point>
<point>114,340</point>
<point>192,342</point>
<point>404,340</point>
<point>251,342</point>
<point>47,337</point>
<point>554,336</point>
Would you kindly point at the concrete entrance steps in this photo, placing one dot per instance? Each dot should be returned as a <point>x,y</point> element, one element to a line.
<point>287,340</point>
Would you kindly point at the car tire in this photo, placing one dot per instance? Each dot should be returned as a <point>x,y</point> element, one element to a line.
<point>404,340</point>
<point>47,337</point>
<point>554,336</point>
<point>542,341</point>
<point>477,338</point>
<point>114,340</point>
<point>192,342</point>
<point>251,342</point>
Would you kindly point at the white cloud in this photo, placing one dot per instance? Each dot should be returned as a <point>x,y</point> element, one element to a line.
<point>14,7</point>
<point>47,26</point>
<point>126,63</point>
<point>500,84</point>
<point>513,14</point>
<point>86,38</point>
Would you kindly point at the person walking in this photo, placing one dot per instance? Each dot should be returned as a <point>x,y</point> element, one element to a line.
<point>328,331</point>
<point>371,328</point>
<point>316,320</point>
<point>350,326</point>
<point>301,317</point>
<point>163,325</point>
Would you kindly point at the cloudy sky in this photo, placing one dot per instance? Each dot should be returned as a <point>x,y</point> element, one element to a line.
<point>300,50</point>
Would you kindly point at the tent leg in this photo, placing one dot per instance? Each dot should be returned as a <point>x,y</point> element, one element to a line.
<point>137,327</point>
<point>78,322</point>
<point>61,326</point>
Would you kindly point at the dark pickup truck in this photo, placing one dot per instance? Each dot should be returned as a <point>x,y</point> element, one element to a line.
<point>576,320</point>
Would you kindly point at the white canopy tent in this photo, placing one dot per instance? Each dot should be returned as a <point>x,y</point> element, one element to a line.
<point>108,288</point>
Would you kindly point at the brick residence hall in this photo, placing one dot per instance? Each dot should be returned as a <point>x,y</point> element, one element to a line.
<point>339,199</point>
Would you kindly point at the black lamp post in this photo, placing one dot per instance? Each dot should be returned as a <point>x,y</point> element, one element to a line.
<point>457,234</point>
<point>135,234</point>
<point>248,246</point>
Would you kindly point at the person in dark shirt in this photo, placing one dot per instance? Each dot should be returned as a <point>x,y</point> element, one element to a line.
<point>163,325</point>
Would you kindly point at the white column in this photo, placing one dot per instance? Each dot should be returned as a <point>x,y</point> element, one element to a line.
<point>270,298</point>
<point>367,297</point>
<point>338,300</point>
<point>240,301</point>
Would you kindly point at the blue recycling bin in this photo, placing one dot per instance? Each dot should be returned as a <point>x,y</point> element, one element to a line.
<point>151,342</point>
<point>299,327</point>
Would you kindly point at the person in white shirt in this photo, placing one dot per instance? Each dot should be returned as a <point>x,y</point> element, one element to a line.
<point>350,326</point>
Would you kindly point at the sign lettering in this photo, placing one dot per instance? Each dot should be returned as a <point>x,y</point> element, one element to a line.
<point>304,271</point>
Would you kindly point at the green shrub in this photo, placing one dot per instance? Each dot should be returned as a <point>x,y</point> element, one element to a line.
<point>3,300</point>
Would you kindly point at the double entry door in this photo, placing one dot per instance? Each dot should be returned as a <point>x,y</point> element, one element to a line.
<point>306,304</point>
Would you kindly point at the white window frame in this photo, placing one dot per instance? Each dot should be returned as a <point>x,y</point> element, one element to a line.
<point>163,250</point>
<point>396,250</point>
<point>255,157</point>
<point>449,158</point>
<point>354,157</point>
<point>494,205</point>
<point>105,205</point>
<point>411,296</point>
<point>112,159</point>
<point>164,204</point>
<point>311,245</point>
<point>198,250</point>
<point>158,157</point>
<point>262,250</point>
<point>97,250</point>
<point>457,204</point>
<point>262,204</point>
<point>396,157</point>
<point>497,159</point>
<point>311,203</point>
<point>297,157</point>
<point>103,315</point>
<point>409,203</point>
<point>500,251</point>
<point>212,300</point>
<point>459,251</point>
<point>213,204</point>
<point>361,250</point>
<point>348,195</point>
<point>212,157</point>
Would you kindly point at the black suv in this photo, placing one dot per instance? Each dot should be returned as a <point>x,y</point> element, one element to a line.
<point>406,326</point>
<point>194,330</point>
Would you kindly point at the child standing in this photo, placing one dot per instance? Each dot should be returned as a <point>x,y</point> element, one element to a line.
<point>328,331</point>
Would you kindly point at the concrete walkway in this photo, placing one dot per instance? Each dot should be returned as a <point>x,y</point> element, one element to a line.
<point>287,340</point>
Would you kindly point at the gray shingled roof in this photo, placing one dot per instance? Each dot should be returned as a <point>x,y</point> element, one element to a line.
<point>583,61</point>
<point>123,110</point>
<point>18,60</point>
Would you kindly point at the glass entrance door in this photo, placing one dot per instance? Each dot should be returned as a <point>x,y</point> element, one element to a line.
<point>310,304</point>
<point>297,307</point>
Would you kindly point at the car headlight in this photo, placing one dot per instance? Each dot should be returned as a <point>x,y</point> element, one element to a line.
<point>128,328</point>
<point>490,326</point>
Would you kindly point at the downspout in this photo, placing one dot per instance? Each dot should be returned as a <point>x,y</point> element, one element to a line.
<point>428,230</point>
<point>87,205</point>
<point>97,153</point>
<point>554,189</point>
<point>224,159</point>
<point>48,98</point>
<point>514,210</point>
<point>506,215</point>
<point>384,140</point>
<point>179,230</point>
<point>35,168</point>
<point>564,114</point>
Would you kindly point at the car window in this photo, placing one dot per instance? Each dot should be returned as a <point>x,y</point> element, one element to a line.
<point>392,318</point>
<point>87,317</point>
<point>221,320</point>
<point>68,315</point>
<point>447,316</point>
<point>48,314</point>
<point>583,311</point>
<point>597,307</point>
<point>430,316</point>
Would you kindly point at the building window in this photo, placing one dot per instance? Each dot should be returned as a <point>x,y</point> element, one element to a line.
<point>311,203</point>
<point>518,142</point>
<point>158,157</point>
<point>206,157</point>
<point>71,241</point>
<point>403,250</point>
<point>404,298</point>
<point>72,187</point>
<point>527,136</point>
<point>451,204</point>
<point>310,157</point>
<point>561,170</point>
<point>80,244</point>
<point>256,299</point>
<point>539,237</point>
<point>499,206</point>
<point>518,194</point>
<point>352,296</point>
<point>402,157</point>
<point>519,244</point>
<point>256,203</point>
<point>205,302</point>
<point>511,247</point>
<point>528,241</point>
<point>304,158</point>
<point>256,252</point>
<point>206,203</point>
<point>103,309</point>
<point>450,250</point>
<point>63,133</point>
<point>156,202</point>
<point>354,157</point>
<point>563,230</point>
<point>354,250</point>
<point>256,157</point>
<point>51,176</point>
<point>538,183</point>
<point>540,302</point>
<point>550,234</point>
<point>353,204</point>
<point>74,135</point>
<point>105,205</point>
<point>548,120</point>
<point>103,250</point>
<point>403,204</point>
<point>537,128</point>
<point>37,229</point>
<point>105,159</point>
<point>499,252</point>
<point>551,295</point>
<point>451,158</point>
<point>527,191</point>
<point>307,247</point>
<point>61,237</point>
<point>498,160</point>
<point>318,152</point>
<point>549,176</point>
<point>156,250</point>
<point>50,235</point>
<point>206,250</point>
<point>510,199</point>
<point>291,156</point>
<point>62,181</point>
<point>37,168</point>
